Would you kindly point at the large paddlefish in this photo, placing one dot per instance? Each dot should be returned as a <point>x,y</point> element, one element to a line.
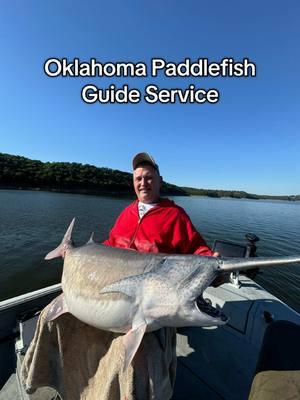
<point>126,291</point>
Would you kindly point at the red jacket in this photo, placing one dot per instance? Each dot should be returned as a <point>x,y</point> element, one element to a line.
<point>165,228</point>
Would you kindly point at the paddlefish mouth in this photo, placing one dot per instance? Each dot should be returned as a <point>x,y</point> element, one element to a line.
<point>205,306</point>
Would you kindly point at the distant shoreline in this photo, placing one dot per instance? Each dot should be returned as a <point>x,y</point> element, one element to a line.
<point>129,195</point>
<point>21,173</point>
<point>71,191</point>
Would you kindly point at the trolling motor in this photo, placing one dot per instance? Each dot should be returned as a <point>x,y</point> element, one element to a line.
<point>226,248</point>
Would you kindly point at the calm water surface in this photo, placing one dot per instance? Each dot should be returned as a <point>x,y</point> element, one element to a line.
<point>33,223</point>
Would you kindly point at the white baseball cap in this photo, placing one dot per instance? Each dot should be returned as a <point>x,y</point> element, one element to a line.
<point>144,158</point>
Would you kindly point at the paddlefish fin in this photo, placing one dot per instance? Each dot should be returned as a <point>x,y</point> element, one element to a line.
<point>57,307</point>
<point>132,341</point>
<point>125,286</point>
<point>66,242</point>
<point>131,284</point>
<point>91,239</point>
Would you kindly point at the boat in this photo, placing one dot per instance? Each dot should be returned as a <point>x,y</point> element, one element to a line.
<point>213,363</point>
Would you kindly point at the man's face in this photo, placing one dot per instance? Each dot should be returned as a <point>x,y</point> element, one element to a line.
<point>146,182</point>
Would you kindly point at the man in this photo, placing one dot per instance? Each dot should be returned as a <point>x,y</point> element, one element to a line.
<point>152,224</point>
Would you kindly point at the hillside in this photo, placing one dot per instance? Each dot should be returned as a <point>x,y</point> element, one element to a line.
<point>23,173</point>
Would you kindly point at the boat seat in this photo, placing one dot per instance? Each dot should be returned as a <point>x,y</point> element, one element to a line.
<point>278,368</point>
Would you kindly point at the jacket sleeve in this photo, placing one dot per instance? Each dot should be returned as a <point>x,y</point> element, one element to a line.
<point>191,242</point>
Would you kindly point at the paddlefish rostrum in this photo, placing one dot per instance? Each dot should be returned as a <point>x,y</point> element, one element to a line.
<point>126,291</point>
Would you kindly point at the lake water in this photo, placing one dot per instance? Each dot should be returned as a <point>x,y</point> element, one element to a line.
<point>33,223</point>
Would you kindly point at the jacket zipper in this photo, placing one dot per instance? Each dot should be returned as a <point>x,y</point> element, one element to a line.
<point>135,233</point>
<point>137,228</point>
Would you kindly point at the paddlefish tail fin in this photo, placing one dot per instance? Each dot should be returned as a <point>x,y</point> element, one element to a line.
<point>65,244</point>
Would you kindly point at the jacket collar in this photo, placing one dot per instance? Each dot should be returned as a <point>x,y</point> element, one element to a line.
<point>163,203</point>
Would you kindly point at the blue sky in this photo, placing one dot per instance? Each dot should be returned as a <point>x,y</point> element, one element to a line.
<point>249,141</point>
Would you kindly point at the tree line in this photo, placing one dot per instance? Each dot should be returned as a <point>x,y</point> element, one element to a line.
<point>236,194</point>
<point>23,173</point>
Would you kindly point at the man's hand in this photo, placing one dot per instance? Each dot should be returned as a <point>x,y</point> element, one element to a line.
<point>216,254</point>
